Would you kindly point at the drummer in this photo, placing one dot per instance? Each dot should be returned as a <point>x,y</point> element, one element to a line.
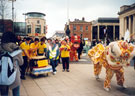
<point>25,46</point>
<point>42,49</point>
<point>34,47</point>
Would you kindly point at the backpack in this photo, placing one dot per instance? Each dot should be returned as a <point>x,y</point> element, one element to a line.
<point>7,69</point>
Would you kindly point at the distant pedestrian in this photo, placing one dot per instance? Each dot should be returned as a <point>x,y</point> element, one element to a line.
<point>87,45</point>
<point>108,41</point>
<point>80,49</point>
<point>105,32</point>
<point>65,50</point>
<point>93,43</point>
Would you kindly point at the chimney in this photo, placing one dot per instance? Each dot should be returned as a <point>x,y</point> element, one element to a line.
<point>83,19</point>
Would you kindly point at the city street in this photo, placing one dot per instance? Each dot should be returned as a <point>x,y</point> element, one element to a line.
<point>34,33</point>
<point>79,81</point>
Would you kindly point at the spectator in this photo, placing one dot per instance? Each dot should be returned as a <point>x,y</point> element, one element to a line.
<point>32,39</point>
<point>19,40</point>
<point>48,43</point>
<point>65,50</point>
<point>93,43</point>
<point>53,55</point>
<point>80,49</point>
<point>58,44</point>
<point>25,46</point>
<point>87,44</point>
<point>8,43</point>
<point>108,41</point>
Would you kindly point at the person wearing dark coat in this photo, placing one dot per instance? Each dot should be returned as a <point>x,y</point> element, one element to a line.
<point>8,44</point>
<point>80,49</point>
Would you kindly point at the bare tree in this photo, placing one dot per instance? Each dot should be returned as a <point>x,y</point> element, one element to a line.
<point>5,9</point>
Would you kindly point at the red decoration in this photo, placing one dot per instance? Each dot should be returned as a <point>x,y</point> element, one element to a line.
<point>36,34</point>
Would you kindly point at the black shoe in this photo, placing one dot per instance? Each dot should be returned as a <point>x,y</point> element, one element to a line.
<point>23,78</point>
<point>67,70</point>
<point>63,70</point>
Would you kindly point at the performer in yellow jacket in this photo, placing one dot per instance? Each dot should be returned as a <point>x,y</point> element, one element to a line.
<point>34,47</point>
<point>42,48</point>
<point>113,58</point>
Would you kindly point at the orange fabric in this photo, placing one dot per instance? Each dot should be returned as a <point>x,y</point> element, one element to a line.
<point>110,70</point>
<point>73,55</point>
<point>97,68</point>
<point>117,69</point>
<point>109,75</point>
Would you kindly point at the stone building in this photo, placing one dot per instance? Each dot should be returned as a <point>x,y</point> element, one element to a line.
<point>35,24</point>
<point>59,34</point>
<point>80,28</point>
<point>112,25</point>
<point>20,28</point>
<point>127,20</point>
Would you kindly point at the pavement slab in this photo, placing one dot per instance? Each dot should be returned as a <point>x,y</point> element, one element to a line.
<point>80,81</point>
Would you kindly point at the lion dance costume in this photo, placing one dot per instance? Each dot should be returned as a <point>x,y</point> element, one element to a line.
<point>74,45</point>
<point>113,57</point>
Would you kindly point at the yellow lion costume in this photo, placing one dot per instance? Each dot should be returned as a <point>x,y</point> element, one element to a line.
<point>113,57</point>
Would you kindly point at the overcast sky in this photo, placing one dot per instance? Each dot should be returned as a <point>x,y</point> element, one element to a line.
<point>56,10</point>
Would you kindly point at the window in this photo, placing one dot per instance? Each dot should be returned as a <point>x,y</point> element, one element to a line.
<point>44,29</point>
<point>29,28</point>
<point>81,28</point>
<point>86,28</point>
<point>38,29</point>
<point>74,27</point>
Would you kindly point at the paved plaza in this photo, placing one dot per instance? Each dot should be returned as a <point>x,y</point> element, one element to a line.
<point>79,81</point>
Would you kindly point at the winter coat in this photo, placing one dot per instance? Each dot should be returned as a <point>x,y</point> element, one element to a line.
<point>10,47</point>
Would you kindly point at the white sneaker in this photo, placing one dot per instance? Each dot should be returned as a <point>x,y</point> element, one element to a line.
<point>97,77</point>
<point>54,73</point>
<point>107,89</point>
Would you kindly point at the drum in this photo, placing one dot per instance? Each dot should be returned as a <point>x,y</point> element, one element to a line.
<point>38,61</point>
<point>42,70</point>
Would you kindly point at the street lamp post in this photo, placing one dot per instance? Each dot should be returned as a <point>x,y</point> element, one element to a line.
<point>25,22</point>
<point>13,12</point>
<point>67,25</point>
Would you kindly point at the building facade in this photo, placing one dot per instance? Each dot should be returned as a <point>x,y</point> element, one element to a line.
<point>111,25</point>
<point>127,20</point>
<point>35,24</point>
<point>5,25</point>
<point>80,28</point>
<point>20,28</point>
<point>59,34</point>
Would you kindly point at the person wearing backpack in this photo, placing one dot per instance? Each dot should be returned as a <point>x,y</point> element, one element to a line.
<point>8,46</point>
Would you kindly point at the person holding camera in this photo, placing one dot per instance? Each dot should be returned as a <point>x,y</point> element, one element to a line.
<point>65,50</point>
